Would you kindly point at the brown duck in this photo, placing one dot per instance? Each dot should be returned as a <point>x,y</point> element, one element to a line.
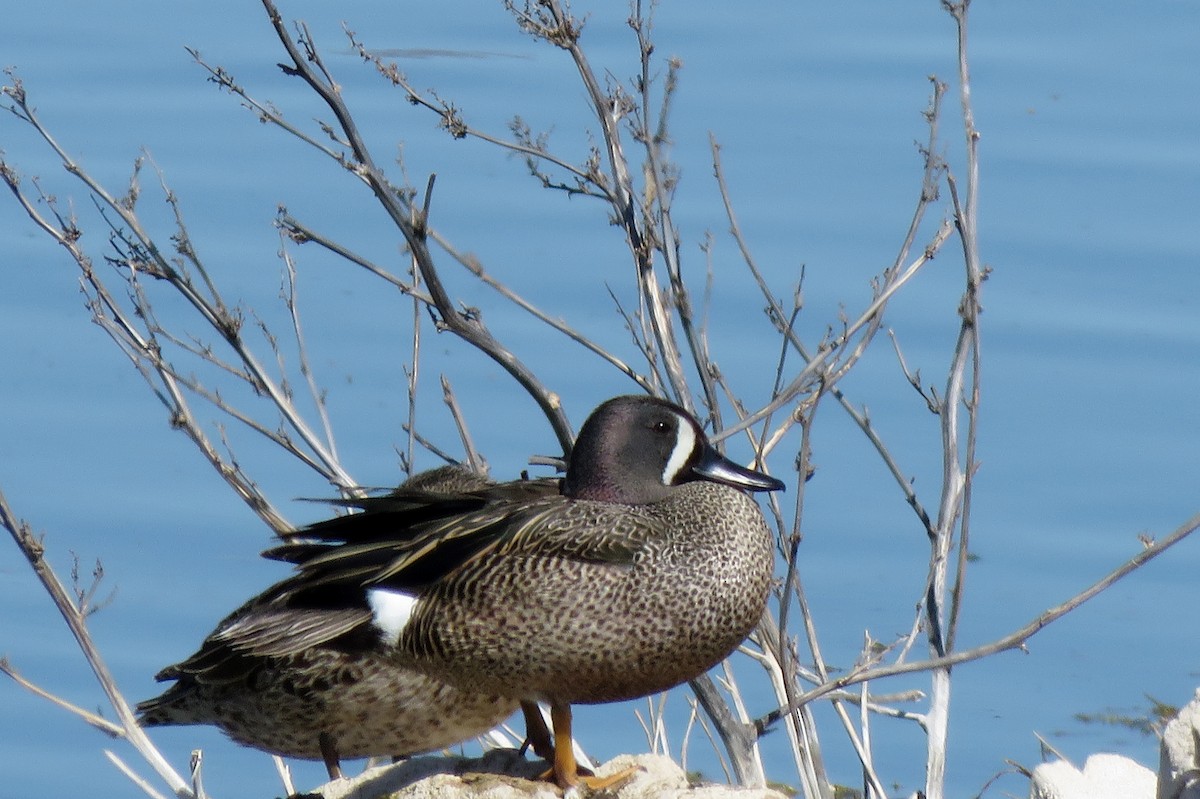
<point>650,567</point>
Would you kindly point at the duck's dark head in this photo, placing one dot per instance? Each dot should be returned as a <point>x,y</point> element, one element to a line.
<point>636,449</point>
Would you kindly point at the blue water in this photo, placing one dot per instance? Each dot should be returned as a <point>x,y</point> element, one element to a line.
<point>1090,190</point>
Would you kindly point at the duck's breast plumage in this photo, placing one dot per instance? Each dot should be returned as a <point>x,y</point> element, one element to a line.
<point>599,602</point>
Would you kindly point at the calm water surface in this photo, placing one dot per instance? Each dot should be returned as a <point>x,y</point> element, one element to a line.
<point>1091,186</point>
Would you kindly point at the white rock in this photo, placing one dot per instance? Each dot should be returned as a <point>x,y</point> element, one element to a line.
<point>1104,776</point>
<point>501,774</point>
<point>1179,755</point>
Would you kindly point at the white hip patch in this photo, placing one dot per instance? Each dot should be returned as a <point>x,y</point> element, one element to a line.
<point>391,611</point>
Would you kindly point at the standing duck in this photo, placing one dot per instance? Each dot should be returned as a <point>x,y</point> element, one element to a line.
<point>649,567</point>
<point>310,675</point>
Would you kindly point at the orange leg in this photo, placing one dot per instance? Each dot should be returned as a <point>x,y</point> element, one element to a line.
<point>565,772</point>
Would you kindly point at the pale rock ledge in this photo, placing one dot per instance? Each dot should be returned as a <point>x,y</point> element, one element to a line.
<point>1179,755</point>
<point>1109,776</point>
<point>502,774</point>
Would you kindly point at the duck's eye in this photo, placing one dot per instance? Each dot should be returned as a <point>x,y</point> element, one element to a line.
<point>661,427</point>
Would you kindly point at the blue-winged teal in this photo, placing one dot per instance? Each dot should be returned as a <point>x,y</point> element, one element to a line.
<point>650,568</point>
<point>308,675</point>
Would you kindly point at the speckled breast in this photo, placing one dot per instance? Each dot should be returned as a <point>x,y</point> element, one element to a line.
<point>586,630</point>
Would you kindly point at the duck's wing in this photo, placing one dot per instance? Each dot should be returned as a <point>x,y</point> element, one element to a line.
<point>280,622</point>
<point>424,553</point>
<point>594,532</point>
<point>406,512</point>
<point>358,552</point>
<point>286,631</point>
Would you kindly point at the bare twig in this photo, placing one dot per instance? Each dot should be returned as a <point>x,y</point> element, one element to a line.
<point>738,737</point>
<point>453,122</point>
<point>141,782</point>
<point>285,775</point>
<point>32,548</point>
<point>1013,640</point>
<point>306,63</point>
<point>474,459</point>
<point>146,256</point>
<point>317,394</point>
<point>552,23</point>
<point>804,380</point>
<point>957,479</point>
<point>99,722</point>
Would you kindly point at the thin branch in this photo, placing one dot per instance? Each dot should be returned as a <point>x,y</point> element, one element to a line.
<point>144,255</point>
<point>302,234</point>
<point>957,480</point>
<point>143,351</point>
<point>32,548</point>
<point>285,775</point>
<point>315,392</point>
<point>453,123</point>
<point>1013,640</point>
<point>474,459</point>
<point>137,779</point>
<point>99,722</point>
<point>552,23</point>
<point>306,64</point>
<point>804,380</point>
<point>738,737</point>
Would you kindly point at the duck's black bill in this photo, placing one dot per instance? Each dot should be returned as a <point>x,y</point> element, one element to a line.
<point>714,466</point>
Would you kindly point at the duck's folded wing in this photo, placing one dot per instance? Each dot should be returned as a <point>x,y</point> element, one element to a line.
<point>241,643</point>
<point>550,527</point>
<point>278,632</point>
<point>593,532</point>
<point>407,513</point>
<point>421,556</point>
